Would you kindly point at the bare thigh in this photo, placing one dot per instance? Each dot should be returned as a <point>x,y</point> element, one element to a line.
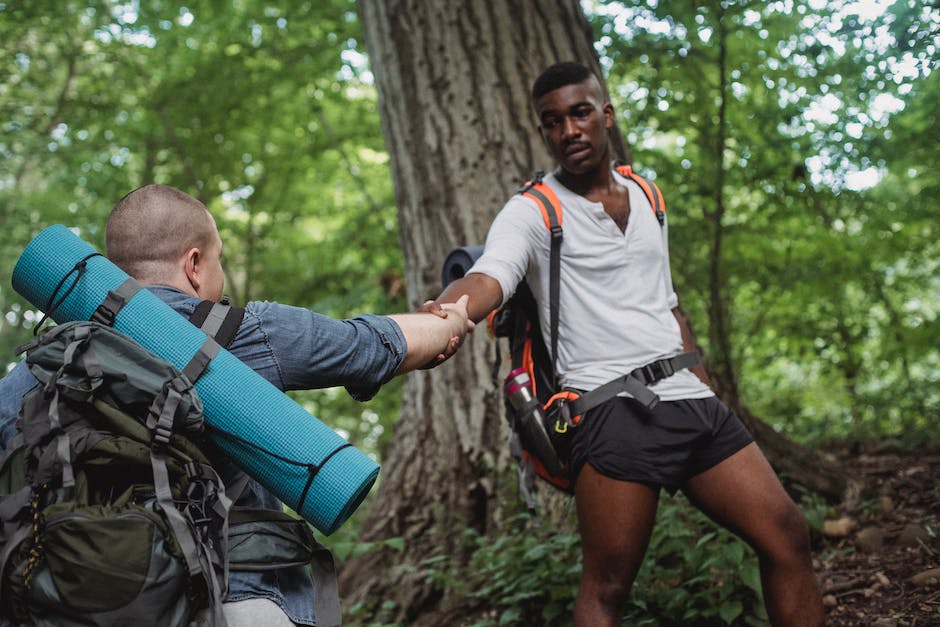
<point>615,520</point>
<point>743,494</point>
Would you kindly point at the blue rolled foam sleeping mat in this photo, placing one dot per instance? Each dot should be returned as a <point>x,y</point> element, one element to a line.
<point>235,398</point>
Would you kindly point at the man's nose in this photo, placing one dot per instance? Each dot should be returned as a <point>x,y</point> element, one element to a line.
<point>569,127</point>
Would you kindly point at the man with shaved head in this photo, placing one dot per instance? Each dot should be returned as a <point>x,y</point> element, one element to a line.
<point>168,241</point>
<point>179,221</point>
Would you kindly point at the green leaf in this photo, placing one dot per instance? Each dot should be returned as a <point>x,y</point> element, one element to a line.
<point>397,544</point>
<point>750,576</point>
<point>510,616</point>
<point>708,537</point>
<point>730,610</point>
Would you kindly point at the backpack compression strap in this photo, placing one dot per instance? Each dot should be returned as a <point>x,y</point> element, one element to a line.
<point>114,302</point>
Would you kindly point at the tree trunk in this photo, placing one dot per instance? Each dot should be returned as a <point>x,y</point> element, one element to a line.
<point>453,81</point>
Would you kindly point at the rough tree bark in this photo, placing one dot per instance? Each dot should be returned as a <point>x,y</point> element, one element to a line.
<point>453,82</point>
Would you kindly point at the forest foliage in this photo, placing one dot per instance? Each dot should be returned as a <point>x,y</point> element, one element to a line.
<point>795,142</point>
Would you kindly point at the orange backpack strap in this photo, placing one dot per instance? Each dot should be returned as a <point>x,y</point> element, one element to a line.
<point>649,188</point>
<point>548,203</point>
<point>545,198</point>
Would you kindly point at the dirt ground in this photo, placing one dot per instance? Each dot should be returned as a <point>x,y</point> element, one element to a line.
<point>879,559</point>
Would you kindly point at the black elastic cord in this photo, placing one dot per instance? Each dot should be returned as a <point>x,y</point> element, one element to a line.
<point>52,305</point>
<point>312,469</point>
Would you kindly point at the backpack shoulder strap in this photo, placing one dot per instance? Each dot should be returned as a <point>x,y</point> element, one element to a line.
<point>550,206</point>
<point>649,188</point>
<point>545,198</point>
<point>218,321</point>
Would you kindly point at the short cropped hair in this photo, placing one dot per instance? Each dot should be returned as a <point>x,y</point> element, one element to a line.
<point>559,75</point>
<point>152,227</point>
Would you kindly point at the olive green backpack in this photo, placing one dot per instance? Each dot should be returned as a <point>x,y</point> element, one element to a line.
<point>110,510</point>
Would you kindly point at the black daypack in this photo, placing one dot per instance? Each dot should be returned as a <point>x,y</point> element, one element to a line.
<point>110,509</point>
<point>542,450</point>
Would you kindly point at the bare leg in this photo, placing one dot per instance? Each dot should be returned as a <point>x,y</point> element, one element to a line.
<point>743,494</point>
<point>615,520</point>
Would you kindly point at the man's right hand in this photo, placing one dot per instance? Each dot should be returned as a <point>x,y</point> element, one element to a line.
<point>462,326</point>
<point>469,299</point>
<point>484,292</point>
<point>432,307</point>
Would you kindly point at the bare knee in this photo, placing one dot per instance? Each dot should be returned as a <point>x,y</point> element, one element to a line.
<point>607,596</point>
<point>608,586</point>
<point>788,537</point>
<point>613,594</point>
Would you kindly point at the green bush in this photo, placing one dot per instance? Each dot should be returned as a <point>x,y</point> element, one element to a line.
<point>694,574</point>
<point>528,576</point>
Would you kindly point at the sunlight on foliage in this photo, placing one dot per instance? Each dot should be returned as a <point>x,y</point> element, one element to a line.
<point>795,143</point>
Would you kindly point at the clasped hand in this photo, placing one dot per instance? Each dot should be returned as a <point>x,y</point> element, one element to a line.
<point>461,325</point>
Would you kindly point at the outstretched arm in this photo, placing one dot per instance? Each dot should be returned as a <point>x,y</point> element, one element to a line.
<point>433,337</point>
<point>484,295</point>
<point>484,292</point>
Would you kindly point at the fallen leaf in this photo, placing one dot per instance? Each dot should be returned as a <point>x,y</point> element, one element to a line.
<point>839,528</point>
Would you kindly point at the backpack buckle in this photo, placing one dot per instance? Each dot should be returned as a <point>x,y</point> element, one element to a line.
<point>108,310</point>
<point>657,371</point>
<point>558,409</point>
<point>562,416</point>
<point>161,436</point>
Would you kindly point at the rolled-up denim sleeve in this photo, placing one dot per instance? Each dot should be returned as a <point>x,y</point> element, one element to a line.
<point>298,349</point>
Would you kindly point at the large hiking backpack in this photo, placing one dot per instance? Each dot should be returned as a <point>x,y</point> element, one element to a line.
<point>518,321</point>
<point>111,510</point>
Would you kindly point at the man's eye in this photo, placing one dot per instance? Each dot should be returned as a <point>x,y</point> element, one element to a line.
<point>549,123</point>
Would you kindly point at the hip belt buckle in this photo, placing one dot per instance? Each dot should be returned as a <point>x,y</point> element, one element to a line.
<point>657,371</point>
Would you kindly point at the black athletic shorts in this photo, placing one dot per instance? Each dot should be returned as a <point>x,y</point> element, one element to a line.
<point>664,448</point>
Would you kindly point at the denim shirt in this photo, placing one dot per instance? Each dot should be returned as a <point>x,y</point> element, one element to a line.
<point>294,349</point>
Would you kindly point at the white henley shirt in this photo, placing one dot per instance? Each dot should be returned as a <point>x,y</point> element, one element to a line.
<point>616,295</point>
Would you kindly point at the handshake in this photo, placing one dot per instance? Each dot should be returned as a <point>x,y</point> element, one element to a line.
<point>464,301</point>
<point>459,321</point>
<point>434,332</point>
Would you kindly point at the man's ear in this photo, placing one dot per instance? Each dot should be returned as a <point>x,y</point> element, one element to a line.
<point>191,267</point>
<point>609,117</point>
